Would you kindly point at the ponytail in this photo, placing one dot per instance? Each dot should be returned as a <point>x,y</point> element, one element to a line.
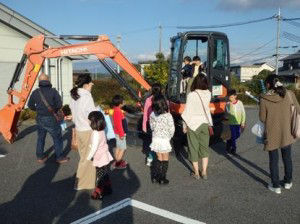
<point>74,93</point>
<point>276,85</point>
<point>81,80</point>
<point>281,91</point>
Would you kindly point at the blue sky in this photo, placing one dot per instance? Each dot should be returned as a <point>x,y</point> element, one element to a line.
<point>113,17</point>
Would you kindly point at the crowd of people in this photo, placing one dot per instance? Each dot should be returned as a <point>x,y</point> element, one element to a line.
<point>96,161</point>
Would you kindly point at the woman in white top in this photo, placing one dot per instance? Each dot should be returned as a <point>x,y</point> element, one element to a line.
<point>81,105</point>
<point>197,121</point>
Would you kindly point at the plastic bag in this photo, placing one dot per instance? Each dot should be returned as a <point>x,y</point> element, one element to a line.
<point>258,129</point>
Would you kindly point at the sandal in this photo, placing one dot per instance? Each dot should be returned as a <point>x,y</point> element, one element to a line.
<point>195,176</point>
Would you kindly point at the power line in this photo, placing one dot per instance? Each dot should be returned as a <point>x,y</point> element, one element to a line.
<point>291,37</point>
<point>226,25</point>
<point>290,19</point>
<point>256,49</point>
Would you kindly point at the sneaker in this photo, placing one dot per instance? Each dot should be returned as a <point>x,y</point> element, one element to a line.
<point>63,160</point>
<point>149,162</point>
<point>277,190</point>
<point>288,186</point>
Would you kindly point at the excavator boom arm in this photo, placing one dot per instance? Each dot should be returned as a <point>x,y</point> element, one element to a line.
<point>35,53</point>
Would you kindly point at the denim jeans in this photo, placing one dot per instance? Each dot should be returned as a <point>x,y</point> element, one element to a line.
<point>235,134</point>
<point>48,124</point>
<point>287,162</point>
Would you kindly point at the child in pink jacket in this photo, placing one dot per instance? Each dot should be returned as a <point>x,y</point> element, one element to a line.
<point>155,90</point>
<point>100,155</point>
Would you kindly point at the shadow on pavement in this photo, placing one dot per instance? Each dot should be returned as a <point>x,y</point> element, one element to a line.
<point>41,200</point>
<point>26,132</point>
<point>220,149</point>
<point>181,153</point>
<point>125,184</point>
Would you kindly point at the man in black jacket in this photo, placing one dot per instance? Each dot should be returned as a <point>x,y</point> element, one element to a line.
<point>46,121</point>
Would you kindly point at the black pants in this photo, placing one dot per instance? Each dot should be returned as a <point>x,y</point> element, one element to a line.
<point>287,162</point>
<point>102,175</point>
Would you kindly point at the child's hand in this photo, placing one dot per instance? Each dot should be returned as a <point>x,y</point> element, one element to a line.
<point>243,128</point>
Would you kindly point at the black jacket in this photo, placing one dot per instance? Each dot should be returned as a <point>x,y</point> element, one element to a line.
<point>51,95</point>
<point>187,71</point>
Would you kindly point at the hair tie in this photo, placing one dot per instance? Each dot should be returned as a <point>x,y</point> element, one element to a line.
<point>278,84</point>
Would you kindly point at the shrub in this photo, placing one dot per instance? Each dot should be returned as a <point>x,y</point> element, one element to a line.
<point>27,114</point>
<point>246,99</point>
<point>104,90</point>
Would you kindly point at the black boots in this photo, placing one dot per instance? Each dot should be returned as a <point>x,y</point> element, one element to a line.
<point>164,169</point>
<point>160,169</point>
<point>155,171</point>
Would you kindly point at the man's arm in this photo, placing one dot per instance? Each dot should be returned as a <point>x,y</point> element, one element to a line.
<point>57,100</point>
<point>32,101</point>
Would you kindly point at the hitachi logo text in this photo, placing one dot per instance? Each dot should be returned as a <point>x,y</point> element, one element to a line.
<point>73,51</point>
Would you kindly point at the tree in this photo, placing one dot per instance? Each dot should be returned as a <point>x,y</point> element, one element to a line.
<point>158,71</point>
<point>237,84</point>
<point>255,85</point>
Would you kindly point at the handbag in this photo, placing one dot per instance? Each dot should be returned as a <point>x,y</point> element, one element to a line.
<point>59,115</point>
<point>210,128</point>
<point>295,119</point>
<point>74,143</point>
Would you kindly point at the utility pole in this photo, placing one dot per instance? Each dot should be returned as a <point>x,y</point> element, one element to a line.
<point>118,46</point>
<point>278,17</point>
<point>160,36</point>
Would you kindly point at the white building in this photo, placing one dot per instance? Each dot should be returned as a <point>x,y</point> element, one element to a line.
<point>246,72</point>
<point>15,31</point>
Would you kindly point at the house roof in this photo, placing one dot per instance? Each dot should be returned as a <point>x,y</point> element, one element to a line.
<point>256,65</point>
<point>294,72</point>
<point>292,56</point>
<point>28,28</point>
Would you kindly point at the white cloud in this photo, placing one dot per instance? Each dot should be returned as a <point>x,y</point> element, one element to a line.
<point>145,57</point>
<point>235,5</point>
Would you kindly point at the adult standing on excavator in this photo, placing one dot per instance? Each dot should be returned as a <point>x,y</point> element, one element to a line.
<point>45,120</point>
<point>81,105</point>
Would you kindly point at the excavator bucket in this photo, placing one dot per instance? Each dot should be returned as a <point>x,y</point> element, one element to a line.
<point>8,122</point>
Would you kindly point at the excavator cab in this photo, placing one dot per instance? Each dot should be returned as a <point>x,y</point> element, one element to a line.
<point>213,50</point>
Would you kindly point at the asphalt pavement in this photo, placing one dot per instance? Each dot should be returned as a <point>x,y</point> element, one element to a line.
<point>235,191</point>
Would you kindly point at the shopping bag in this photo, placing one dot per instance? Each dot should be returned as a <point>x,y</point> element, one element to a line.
<point>258,129</point>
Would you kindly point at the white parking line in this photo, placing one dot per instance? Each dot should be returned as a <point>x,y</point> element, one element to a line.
<point>137,204</point>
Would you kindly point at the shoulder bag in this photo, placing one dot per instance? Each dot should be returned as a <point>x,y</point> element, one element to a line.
<point>59,115</point>
<point>295,119</point>
<point>210,128</point>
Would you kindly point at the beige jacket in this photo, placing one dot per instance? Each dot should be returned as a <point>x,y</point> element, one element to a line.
<point>194,113</point>
<point>275,113</point>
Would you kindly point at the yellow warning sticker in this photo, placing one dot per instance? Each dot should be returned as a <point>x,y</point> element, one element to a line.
<point>36,68</point>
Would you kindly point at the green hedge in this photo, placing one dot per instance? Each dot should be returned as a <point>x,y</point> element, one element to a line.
<point>104,90</point>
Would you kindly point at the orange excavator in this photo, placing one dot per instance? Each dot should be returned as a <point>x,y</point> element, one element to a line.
<point>33,58</point>
<point>212,47</point>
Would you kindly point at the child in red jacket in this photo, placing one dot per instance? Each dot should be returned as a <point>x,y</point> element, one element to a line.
<point>120,129</point>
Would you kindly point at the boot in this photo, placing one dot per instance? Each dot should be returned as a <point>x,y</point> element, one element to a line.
<point>156,170</point>
<point>97,194</point>
<point>163,179</point>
